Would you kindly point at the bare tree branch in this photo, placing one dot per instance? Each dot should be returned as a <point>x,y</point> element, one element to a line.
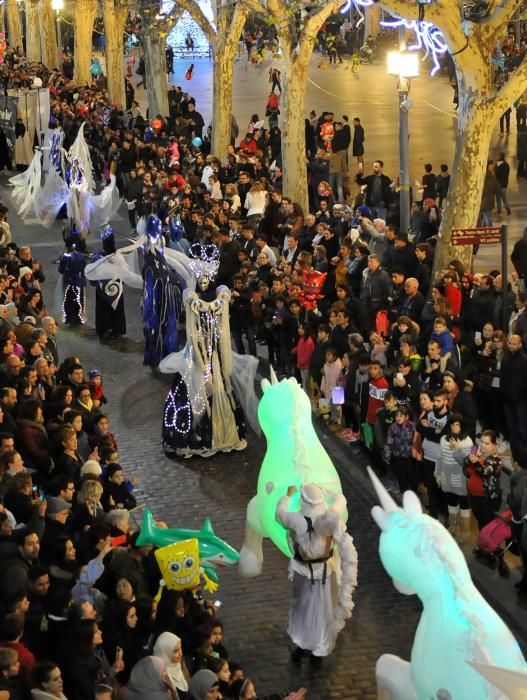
<point>281,12</point>
<point>502,13</point>
<point>198,16</point>
<point>513,88</point>
<point>445,14</point>
<point>317,18</point>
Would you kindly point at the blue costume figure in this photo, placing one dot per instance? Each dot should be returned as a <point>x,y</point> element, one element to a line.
<point>161,298</point>
<point>71,267</point>
<point>109,295</point>
<point>177,238</point>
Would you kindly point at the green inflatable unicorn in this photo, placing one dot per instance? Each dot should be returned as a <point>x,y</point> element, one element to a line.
<point>294,456</point>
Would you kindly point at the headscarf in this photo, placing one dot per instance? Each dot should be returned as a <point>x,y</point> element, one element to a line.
<point>163,648</point>
<point>201,682</point>
<point>146,680</point>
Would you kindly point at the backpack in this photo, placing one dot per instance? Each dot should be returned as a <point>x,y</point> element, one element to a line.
<point>272,101</point>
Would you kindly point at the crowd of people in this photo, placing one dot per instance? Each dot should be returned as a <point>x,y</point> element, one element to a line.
<point>80,614</point>
<point>428,370</point>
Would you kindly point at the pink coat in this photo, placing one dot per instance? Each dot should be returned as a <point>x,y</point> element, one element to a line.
<point>330,376</point>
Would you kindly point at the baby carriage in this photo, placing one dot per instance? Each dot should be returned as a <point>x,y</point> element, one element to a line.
<point>490,540</point>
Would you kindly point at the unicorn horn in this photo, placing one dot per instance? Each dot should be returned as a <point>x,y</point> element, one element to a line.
<point>510,681</point>
<point>274,378</point>
<point>387,502</point>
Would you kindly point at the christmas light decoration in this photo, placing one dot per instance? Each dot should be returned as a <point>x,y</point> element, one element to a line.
<point>428,36</point>
<point>106,231</point>
<point>177,416</point>
<point>205,260</point>
<point>186,25</point>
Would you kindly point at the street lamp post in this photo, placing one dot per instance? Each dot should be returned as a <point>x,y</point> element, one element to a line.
<point>404,65</point>
<point>58,6</point>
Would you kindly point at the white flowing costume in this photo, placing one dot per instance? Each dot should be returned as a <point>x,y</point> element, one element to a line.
<point>43,202</point>
<point>209,368</point>
<point>322,592</point>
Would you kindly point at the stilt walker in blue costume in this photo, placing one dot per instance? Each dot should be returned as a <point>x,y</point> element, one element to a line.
<point>71,267</point>
<point>109,294</point>
<point>161,298</point>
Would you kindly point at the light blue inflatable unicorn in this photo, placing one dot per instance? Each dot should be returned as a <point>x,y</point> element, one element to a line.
<point>460,640</point>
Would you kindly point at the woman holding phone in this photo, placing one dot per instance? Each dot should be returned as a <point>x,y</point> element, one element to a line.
<point>483,468</point>
<point>121,639</point>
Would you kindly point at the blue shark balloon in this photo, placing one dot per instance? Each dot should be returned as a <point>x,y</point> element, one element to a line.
<point>457,626</point>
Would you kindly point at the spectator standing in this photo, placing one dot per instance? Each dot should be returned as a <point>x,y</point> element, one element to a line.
<point>491,191</point>
<point>443,181</point>
<point>398,450</point>
<point>374,290</point>
<point>502,171</point>
<point>483,468</point>
<point>454,448</point>
<point>358,141</point>
<point>514,392</point>
<point>304,352</point>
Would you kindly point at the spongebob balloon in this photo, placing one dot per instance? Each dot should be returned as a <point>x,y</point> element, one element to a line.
<point>180,566</point>
<point>461,646</point>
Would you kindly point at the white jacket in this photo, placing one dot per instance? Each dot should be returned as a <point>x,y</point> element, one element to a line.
<point>255,203</point>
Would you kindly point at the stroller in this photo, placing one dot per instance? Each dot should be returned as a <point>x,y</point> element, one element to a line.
<point>490,540</point>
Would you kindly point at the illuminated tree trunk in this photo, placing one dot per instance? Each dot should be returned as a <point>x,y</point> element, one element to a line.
<point>14,28</point>
<point>478,112</point>
<point>222,103</point>
<point>83,28</point>
<point>480,106</point>
<point>223,38</point>
<point>115,14</point>
<point>293,110</point>
<point>474,131</point>
<point>155,71</point>
<point>371,21</point>
<point>2,20</point>
<point>48,35</point>
<point>230,27</point>
<point>33,51</point>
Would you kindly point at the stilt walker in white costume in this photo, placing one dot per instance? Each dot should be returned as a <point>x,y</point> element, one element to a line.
<point>323,570</point>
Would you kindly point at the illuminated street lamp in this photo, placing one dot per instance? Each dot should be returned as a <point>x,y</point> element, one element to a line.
<point>58,6</point>
<point>405,66</point>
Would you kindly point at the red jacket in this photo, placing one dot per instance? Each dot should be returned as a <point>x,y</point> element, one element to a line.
<point>304,350</point>
<point>377,388</point>
<point>32,442</point>
<point>26,658</point>
<point>454,297</point>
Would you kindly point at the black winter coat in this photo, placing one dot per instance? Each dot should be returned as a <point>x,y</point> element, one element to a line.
<point>514,377</point>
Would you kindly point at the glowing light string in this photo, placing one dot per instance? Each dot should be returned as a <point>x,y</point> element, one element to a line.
<point>427,35</point>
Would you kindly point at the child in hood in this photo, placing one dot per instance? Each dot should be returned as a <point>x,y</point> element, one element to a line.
<point>96,388</point>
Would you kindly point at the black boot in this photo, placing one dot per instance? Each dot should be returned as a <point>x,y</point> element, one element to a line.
<point>316,661</point>
<point>503,568</point>
<point>297,654</point>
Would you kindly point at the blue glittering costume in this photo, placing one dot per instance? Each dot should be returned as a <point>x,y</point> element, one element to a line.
<point>161,298</point>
